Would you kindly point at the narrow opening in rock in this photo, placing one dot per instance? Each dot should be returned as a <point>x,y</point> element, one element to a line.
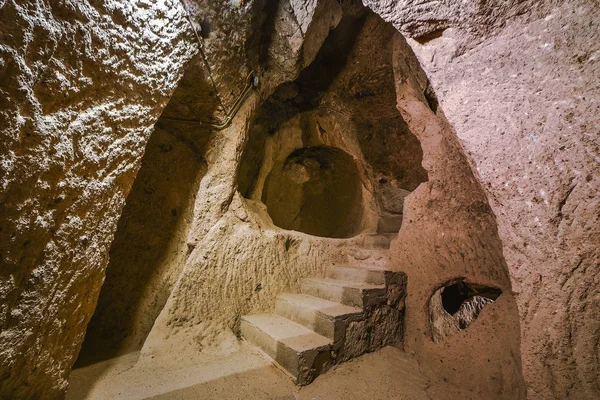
<point>459,293</point>
<point>456,305</point>
<point>453,297</point>
<point>150,245</point>
<point>148,249</point>
<point>427,37</point>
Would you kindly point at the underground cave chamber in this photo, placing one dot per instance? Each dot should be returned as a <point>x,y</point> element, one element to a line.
<point>329,154</point>
<point>150,245</point>
<point>315,157</point>
<point>197,192</point>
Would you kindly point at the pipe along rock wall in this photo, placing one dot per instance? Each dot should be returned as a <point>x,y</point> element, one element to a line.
<point>278,105</point>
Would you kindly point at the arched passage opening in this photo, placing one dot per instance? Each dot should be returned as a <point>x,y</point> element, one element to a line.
<point>148,250</point>
<point>344,100</point>
<point>150,246</point>
<point>316,190</point>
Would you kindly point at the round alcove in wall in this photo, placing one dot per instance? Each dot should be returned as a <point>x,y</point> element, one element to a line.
<point>316,190</point>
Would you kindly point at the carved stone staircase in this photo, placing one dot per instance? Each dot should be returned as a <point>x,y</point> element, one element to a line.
<point>352,311</point>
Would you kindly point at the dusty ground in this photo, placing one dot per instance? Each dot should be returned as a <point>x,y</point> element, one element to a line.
<point>248,374</point>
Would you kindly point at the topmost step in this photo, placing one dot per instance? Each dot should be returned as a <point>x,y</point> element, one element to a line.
<point>350,293</point>
<point>379,241</point>
<point>356,274</point>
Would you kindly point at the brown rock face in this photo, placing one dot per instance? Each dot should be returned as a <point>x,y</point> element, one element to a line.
<point>301,134</point>
<point>523,97</point>
<point>80,92</point>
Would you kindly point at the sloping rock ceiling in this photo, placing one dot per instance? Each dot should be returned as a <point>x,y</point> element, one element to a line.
<point>468,133</point>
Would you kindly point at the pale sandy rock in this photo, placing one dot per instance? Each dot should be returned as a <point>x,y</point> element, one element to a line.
<point>233,239</point>
<point>485,159</point>
<point>448,231</point>
<point>150,247</point>
<point>81,91</point>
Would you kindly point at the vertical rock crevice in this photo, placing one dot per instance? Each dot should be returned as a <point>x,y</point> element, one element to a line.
<point>82,87</point>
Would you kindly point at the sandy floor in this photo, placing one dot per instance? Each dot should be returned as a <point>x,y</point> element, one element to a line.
<point>246,374</point>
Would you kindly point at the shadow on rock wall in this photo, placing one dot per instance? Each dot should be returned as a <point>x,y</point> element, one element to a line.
<point>150,245</point>
<point>149,248</point>
<point>365,96</point>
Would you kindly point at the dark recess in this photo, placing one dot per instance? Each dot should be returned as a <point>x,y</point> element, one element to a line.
<point>453,296</point>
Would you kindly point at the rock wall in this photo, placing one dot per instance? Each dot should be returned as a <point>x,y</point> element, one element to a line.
<point>81,86</point>
<point>83,83</point>
<point>232,239</point>
<point>239,260</point>
<point>150,246</point>
<point>522,94</point>
<point>449,233</point>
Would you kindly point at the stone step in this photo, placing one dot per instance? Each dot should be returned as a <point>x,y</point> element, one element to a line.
<point>300,351</point>
<point>325,317</point>
<point>375,258</point>
<point>350,293</point>
<point>358,274</point>
<point>379,241</point>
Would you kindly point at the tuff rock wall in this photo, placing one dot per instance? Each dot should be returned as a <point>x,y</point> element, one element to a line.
<point>361,91</point>
<point>518,81</point>
<point>81,86</point>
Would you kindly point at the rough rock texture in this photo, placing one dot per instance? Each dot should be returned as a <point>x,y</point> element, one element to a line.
<point>82,84</point>
<point>80,92</point>
<point>448,229</point>
<point>524,100</point>
<point>237,259</point>
<point>149,249</point>
<point>233,239</point>
<point>456,305</point>
<point>315,190</point>
<point>226,243</point>
<point>426,20</point>
<point>449,232</point>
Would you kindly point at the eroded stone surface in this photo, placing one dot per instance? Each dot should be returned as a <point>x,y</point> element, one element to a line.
<point>80,92</point>
<point>82,85</point>
<point>524,103</point>
<point>149,248</point>
<point>449,231</point>
<point>456,305</point>
<point>232,238</point>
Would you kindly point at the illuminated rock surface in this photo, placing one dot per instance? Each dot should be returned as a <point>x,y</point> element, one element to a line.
<point>162,179</point>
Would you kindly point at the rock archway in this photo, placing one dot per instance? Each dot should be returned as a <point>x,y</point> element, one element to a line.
<point>338,87</point>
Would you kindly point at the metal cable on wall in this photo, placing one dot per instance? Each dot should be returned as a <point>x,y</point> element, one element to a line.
<point>251,82</point>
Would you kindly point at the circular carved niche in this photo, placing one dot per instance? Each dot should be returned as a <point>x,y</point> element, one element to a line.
<point>316,190</point>
<point>454,306</point>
